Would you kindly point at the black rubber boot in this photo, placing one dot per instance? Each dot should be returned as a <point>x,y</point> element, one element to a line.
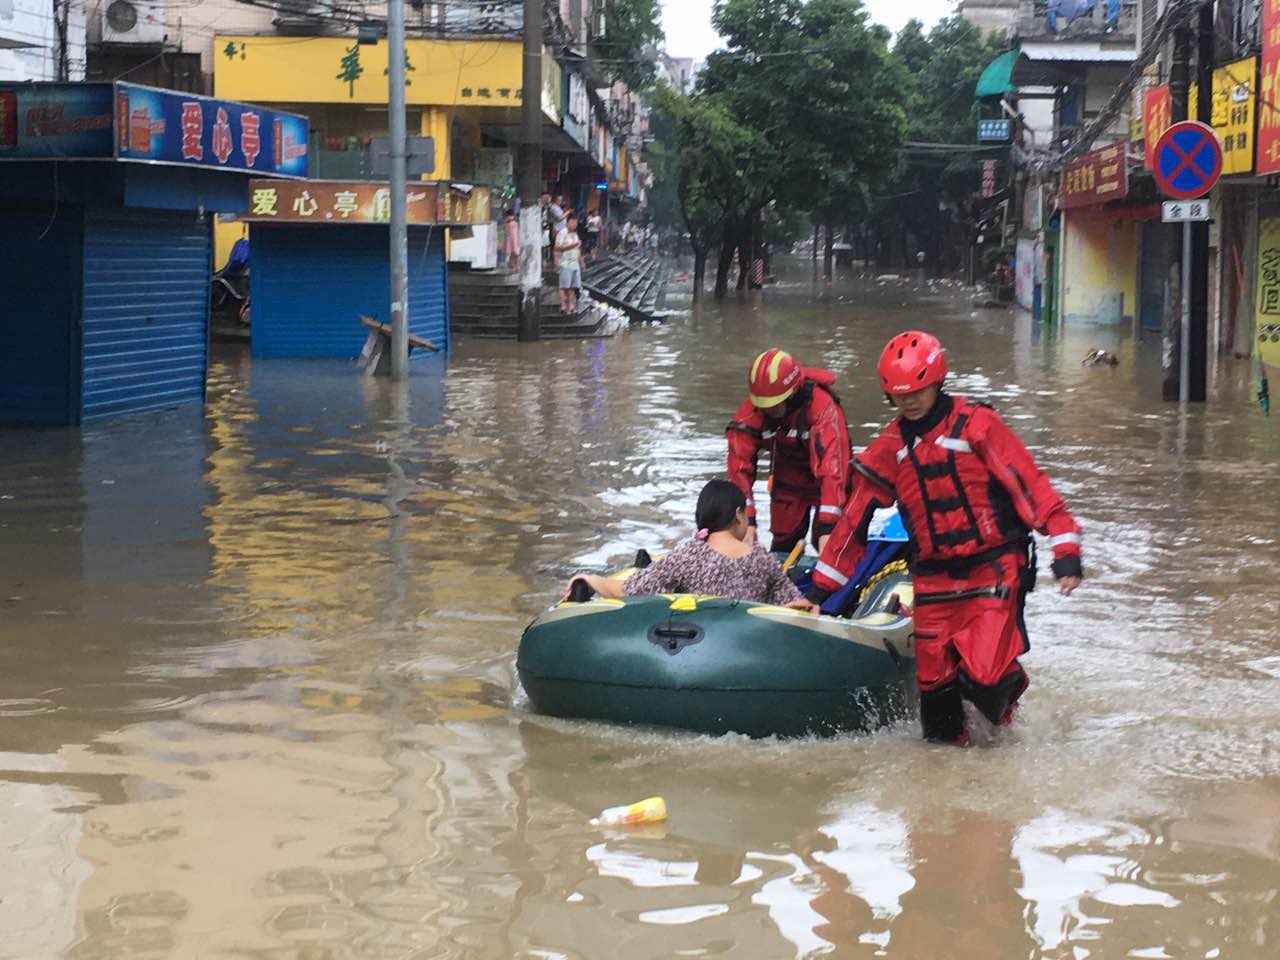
<point>942,714</point>
<point>996,702</point>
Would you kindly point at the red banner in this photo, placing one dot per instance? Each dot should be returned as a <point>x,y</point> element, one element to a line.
<point>1156,107</point>
<point>1268,114</point>
<point>1098,176</point>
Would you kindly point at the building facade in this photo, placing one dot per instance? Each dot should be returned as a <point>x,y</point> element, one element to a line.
<point>42,40</point>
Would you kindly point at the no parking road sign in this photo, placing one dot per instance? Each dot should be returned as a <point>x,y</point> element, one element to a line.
<point>1188,160</point>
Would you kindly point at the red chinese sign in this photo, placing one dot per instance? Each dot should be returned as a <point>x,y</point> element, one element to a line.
<point>1268,111</point>
<point>1156,114</point>
<point>250,136</point>
<point>334,201</point>
<point>988,178</point>
<point>192,127</point>
<point>1098,176</point>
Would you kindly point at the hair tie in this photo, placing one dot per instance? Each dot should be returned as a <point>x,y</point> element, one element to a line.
<point>703,533</point>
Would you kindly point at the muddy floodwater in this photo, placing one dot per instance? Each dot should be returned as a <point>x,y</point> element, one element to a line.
<point>258,696</point>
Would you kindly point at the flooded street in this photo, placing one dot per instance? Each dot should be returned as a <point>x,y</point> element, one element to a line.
<point>259,697</point>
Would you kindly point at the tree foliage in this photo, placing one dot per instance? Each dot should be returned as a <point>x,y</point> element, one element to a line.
<point>818,81</point>
<point>633,30</point>
<point>809,111</point>
<point>932,190</point>
<point>721,165</point>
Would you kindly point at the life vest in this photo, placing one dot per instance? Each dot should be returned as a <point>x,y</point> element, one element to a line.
<point>808,428</point>
<point>790,439</point>
<point>953,505</point>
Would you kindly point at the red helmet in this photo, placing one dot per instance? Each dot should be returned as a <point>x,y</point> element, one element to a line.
<point>773,378</point>
<point>912,361</point>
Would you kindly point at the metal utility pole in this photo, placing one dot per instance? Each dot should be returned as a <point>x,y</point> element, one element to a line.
<point>1198,346</point>
<point>399,228</point>
<point>1175,335</point>
<point>531,176</point>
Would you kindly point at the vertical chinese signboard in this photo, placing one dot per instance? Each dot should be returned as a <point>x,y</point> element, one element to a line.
<point>1098,176</point>
<point>1234,93</point>
<point>1269,104</point>
<point>988,178</point>
<point>1268,306</point>
<point>1155,120</point>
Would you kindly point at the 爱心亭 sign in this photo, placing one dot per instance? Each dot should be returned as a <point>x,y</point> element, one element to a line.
<point>335,201</point>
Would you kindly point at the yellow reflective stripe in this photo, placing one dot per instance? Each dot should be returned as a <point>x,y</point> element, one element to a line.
<point>765,402</point>
<point>755,367</point>
<point>776,366</point>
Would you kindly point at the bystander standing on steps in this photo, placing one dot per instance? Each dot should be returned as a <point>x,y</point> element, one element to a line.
<point>569,261</point>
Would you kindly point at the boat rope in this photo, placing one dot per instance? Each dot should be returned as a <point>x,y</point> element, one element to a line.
<point>888,570</point>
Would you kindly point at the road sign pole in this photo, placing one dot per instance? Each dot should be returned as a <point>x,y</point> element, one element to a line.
<point>1184,338</point>
<point>1188,163</point>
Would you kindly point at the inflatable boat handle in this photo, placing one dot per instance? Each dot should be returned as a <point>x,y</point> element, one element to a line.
<point>674,637</point>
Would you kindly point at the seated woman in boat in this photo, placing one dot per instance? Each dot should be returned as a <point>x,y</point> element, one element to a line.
<point>718,561</point>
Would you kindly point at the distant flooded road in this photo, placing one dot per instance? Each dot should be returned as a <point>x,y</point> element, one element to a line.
<point>258,697</point>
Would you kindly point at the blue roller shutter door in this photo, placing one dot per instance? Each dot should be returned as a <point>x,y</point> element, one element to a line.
<point>311,284</point>
<point>428,286</point>
<point>145,329</point>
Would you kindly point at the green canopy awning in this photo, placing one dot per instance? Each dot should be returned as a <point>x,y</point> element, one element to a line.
<point>995,80</point>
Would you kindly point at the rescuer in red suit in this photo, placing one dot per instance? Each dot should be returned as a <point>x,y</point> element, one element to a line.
<point>792,413</point>
<point>970,495</point>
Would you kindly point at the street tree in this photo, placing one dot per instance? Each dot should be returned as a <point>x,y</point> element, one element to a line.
<point>718,164</point>
<point>928,195</point>
<point>817,80</point>
<point>633,31</point>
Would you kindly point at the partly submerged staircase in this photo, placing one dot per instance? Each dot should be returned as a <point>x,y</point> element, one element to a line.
<point>634,283</point>
<point>487,304</point>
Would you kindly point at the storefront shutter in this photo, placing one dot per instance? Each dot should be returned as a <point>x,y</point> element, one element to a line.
<point>310,285</point>
<point>145,319</point>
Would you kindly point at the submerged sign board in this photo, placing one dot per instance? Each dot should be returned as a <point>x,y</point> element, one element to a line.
<point>125,121</point>
<point>361,201</point>
<point>1268,303</point>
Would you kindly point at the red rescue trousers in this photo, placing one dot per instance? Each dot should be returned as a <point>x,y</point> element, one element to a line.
<point>970,632</point>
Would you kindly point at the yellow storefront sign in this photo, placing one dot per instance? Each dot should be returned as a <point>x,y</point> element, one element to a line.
<point>1267,312</point>
<point>1235,94</point>
<point>480,73</point>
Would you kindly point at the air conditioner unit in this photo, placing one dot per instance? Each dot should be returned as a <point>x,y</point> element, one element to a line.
<point>599,23</point>
<point>133,21</point>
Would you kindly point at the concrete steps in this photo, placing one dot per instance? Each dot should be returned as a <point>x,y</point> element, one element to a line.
<point>487,305</point>
<point>634,283</point>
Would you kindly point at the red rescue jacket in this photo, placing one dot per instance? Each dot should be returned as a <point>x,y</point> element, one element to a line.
<point>809,450</point>
<point>966,488</point>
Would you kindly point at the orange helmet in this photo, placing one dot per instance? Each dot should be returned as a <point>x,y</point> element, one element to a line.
<point>773,378</point>
<point>912,361</point>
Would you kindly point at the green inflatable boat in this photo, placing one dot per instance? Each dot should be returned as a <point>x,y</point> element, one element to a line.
<point>725,666</point>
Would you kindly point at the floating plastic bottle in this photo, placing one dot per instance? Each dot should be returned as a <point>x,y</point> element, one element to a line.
<point>645,811</point>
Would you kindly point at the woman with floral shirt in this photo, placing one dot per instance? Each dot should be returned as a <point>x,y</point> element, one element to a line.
<point>718,561</point>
